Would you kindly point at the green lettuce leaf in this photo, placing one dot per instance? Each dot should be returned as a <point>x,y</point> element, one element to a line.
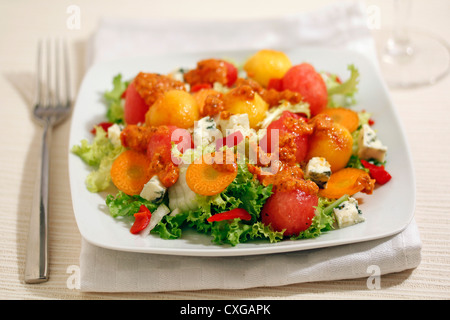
<point>172,226</point>
<point>342,94</point>
<point>114,101</point>
<point>355,162</point>
<point>100,154</point>
<point>100,179</point>
<point>122,205</point>
<point>247,190</point>
<point>93,153</point>
<point>237,231</point>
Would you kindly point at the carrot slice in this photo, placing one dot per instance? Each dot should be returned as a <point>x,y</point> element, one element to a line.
<point>208,178</point>
<point>130,171</point>
<point>346,117</point>
<point>348,181</point>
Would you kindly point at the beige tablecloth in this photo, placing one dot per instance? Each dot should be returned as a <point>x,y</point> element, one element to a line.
<point>424,113</point>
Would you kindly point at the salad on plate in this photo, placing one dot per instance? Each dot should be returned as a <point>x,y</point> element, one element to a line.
<point>268,150</point>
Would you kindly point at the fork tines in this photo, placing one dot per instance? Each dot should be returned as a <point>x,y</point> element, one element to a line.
<point>53,70</point>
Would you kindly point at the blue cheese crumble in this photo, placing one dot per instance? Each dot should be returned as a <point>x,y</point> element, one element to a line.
<point>153,190</point>
<point>348,213</point>
<point>369,146</point>
<point>205,132</point>
<point>318,170</point>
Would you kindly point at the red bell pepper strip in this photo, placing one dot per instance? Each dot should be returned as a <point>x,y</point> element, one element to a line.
<point>232,74</point>
<point>104,125</point>
<point>200,86</point>
<point>276,84</point>
<point>232,214</point>
<point>378,173</point>
<point>124,94</point>
<point>230,141</point>
<point>141,220</point>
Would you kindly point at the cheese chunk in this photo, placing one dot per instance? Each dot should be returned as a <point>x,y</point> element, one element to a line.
<point>348,213</point>
<point>234,123</point>
<point>369,146</point>
<point>205,132</point>
<point>114,135</point>
<point>178,74</point>
<point>153,190</point>
<point>318,170</point>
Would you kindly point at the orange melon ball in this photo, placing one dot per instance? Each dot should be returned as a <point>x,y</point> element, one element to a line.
<point>334,144</point>
<point>175,107</point>
<point>238,101</point>
<point>267,64</point>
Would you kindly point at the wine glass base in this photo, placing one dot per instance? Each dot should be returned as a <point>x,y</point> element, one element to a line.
<point>423,60</point>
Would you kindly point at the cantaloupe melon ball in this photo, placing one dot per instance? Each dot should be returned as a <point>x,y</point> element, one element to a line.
<point>267,64</point>
<point>175,107</point>
<point>334,144</point>
<point>237,101</point>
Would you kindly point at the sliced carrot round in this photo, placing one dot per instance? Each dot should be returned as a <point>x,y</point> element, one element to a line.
<point>347,181</point>
<point>207,179</point>
<point>346,117</point>
<point>130,171</point>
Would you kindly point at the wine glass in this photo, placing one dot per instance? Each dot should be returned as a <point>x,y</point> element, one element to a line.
<point>411,58</point>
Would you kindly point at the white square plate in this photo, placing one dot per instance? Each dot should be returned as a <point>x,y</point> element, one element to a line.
<point>387,211</point>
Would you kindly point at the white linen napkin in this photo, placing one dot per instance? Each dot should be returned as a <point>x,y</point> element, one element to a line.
<point>104,270</point>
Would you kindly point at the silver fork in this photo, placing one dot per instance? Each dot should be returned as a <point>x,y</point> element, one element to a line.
<point>49,110</point>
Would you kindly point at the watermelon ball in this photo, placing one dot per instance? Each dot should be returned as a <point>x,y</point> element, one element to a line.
<point>303,78</point>
<point>292,210</point>
<point>301,140</point>
<point>135,107</point>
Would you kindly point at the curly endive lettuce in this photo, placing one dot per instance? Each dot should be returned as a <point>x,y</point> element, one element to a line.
<point>122,204</point>
<point>100,154</point>
<point>114,101</point>
<point>238,231</point>
<point>342,94</point>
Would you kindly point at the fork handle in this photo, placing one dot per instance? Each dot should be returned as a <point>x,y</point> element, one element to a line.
<point>36,265</point>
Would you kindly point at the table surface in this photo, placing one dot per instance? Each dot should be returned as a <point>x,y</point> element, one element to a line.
<point>425,114</point>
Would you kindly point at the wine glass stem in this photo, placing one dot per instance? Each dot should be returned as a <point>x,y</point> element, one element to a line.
<point>398,45</point>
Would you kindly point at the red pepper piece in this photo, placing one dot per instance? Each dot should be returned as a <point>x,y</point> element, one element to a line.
<point>229,215</point>
<point>377,172</point>
<point>232,73</point>
<point>104,125</point>
<point>231,140</point>
<point>200,86</point>
<point>141,220</point>
<point>124,94</point>
<point>276,84</point>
